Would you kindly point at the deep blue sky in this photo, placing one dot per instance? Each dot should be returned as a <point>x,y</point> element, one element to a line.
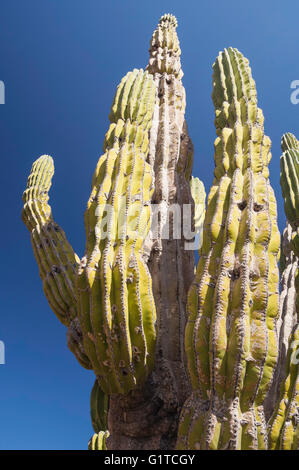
<point>61,61</point>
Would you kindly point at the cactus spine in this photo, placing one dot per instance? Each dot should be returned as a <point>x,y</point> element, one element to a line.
<point>231,341</point>
<point>284,424</point>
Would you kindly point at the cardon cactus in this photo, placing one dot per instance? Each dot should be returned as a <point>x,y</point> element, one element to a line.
<point>231,342</point>
<point>124,301</point>
<point>181,358</point>
<point>284,425</point>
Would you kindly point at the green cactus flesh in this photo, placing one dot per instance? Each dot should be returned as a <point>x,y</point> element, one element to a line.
<point>289,178</point>
<point>287,313</point>
<point>55,257</point>
<point>98,441</point>
<point>117,311</point>
<point>231,341</point>
<point>99,405</point>
<point>284,424</point>
<point>199,197</point>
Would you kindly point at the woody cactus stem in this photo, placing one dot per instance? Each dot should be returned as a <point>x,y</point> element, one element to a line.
<point>284,425</point>
<point>231,340</point>
<point>148,419</point>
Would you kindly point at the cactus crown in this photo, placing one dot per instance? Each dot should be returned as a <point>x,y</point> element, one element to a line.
<point>165,48</point>
<point>289,141</point>
<point>167,20</point>
<point>289,177</point>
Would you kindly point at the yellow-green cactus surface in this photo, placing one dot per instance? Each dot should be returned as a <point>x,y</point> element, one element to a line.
<point>98,441</point>
<point>231,342</point>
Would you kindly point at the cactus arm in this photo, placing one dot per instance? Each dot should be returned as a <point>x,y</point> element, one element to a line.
<point>289,178</point>
<point>283,427</point>
<point>75,343</point>
<point>55,257</point>
<point>287,314</point>
<point>199,197</point>
<point>231,343</point>
<point>284,423</point>
<point>117,312</point>
<point>99,405</point>
<point>98,441</point>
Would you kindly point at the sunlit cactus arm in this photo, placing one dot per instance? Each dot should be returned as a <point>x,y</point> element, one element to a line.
<point>199,197</point>
<point>287,314</point>
<point>98,441</point>
<point>284,424</point>
<point>231,339</point>
<point>55,257</point>
<point>117,311</point>
<point>99,405</point>
<point>289,177</point>
<point>75,343</point>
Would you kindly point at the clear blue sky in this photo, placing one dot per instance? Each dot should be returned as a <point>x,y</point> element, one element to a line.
<point>61,61</point>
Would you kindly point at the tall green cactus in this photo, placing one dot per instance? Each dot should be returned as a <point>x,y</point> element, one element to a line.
<point>106,299</point>
<point>135,314</point>
<point>284,424</point>
<point>231,342</point>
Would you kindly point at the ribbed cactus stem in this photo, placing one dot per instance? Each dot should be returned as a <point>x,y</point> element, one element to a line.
<point>99,405</point>
<point>170,153</point>
<point>117,311</point>
<point>199,197</point>
<point>284,424</point>
<point>56,260</point>
<point>171,266</point>
<point>55,257</point>
<point>231,341</point>
<point>287,314</point>
<point>289,177</point>
<point>98,441</point>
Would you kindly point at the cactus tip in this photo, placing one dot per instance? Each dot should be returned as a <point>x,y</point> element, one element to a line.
<point>289,141</point>
<point>167,19</point>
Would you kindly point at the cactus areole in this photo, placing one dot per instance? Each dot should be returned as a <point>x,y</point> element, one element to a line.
<point>183,358</point>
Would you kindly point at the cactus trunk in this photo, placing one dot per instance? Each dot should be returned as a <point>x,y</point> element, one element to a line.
<point>148,418</point>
